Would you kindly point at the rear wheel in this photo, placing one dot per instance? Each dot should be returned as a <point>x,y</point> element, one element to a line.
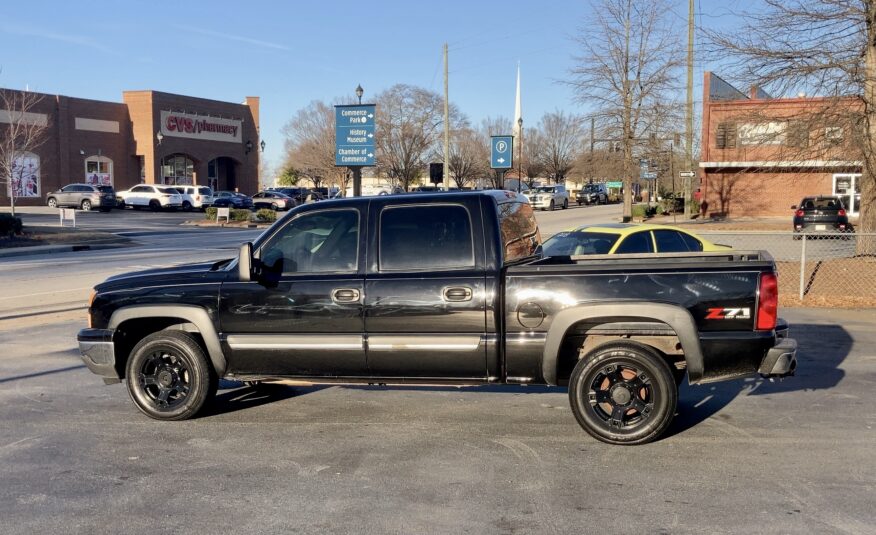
<point>565,204</point>
<point>154,205</point>
<point>187,206</point>
<point>85,205</point>
<point>623,393</point>
<point>169,377</point>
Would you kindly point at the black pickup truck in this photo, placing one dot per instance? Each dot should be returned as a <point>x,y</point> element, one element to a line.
<point>441,288</point>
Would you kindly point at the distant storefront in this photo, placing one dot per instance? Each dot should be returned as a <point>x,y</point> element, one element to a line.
<point>152,137</point>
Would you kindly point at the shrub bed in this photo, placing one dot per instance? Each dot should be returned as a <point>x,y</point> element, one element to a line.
<point>236,214</point>
<point>9,225</point>
<point>266,215</point>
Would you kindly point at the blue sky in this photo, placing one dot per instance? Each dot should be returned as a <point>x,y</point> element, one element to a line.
<point>290,53</point>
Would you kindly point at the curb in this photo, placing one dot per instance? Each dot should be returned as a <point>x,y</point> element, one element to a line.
<point>52,249</point>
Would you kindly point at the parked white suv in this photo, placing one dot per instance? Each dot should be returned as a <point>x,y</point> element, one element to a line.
<point>548,197</point>
<point>149,196</point>
<point>195,197</point>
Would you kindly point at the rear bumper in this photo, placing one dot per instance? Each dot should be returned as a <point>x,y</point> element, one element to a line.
<point>781,360</point>
<point>98,353</point>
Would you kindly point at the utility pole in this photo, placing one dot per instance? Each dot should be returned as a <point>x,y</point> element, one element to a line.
<point>446,125</point>
<point>592,141</point>
<point>689,134</point>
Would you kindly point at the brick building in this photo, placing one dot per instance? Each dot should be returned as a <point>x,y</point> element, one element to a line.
<point>760,154</point>
<point>151,137</point>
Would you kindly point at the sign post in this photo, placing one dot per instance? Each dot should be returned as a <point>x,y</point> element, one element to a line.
<point>354,140</point>
<point>502,157</point>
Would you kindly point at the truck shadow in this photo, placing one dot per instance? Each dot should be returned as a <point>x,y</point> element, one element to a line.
<point>235,396</point>
<point>822,348</point>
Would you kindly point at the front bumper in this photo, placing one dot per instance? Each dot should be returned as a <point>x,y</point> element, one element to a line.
<point>540,203</point>
<point>98,353</point>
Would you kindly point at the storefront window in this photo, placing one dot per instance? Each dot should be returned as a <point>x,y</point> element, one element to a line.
<point>99,171</point>
<point>177,169</point>
<point>213,174</point>
<point>25,175</point>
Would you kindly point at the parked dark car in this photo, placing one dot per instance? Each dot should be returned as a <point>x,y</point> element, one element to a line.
<point>440,289</point>
<point>83,196</point>
<point>273,200</point>
<point>290,191</point>
<point>821,214</point>
<point>231,199</point>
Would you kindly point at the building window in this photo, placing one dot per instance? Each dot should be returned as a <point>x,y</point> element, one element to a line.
<point>725,136</point>
<point>177,169</point>
<point>25,175</point>
<point>833,135</point>
<point>142,162</point>
<point>99,171</point>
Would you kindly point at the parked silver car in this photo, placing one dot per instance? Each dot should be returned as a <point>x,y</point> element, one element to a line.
<point>83,196</point>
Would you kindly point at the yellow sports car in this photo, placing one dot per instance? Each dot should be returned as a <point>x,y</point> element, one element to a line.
<point>626,238</point>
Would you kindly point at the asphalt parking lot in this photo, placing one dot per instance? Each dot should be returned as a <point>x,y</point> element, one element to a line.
<point>745,456</point>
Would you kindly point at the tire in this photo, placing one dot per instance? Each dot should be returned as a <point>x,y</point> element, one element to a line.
<point>633,410</point>
<point>52,202</point>
<point>553,206</point>
<point>565,204</point>
<point>154,205</point>
<point>187,206</point>
<point>85,205</point>
<point>169,377</point>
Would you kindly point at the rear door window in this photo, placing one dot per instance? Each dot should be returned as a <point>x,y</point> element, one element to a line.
<point>425,238</point>
<point>670,241</point>
<point>637,243</point>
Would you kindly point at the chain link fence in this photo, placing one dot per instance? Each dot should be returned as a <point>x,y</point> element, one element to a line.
<point>823,269</point>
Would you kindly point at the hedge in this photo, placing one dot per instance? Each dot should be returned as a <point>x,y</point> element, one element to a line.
<point>9,225</point>
<point>266,215</point>
<point>236,214</point>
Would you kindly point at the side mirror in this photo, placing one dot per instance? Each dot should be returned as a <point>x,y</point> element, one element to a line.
<point>793,207</point>
<point>244,262</point>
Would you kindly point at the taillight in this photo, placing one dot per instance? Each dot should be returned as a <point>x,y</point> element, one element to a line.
<point>768,302</point>
<point>841,213</point>
<point>799,213</point>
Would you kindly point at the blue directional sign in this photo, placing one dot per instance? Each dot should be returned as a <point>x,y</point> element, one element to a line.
<point>501,152</point>
<point>354,135</point>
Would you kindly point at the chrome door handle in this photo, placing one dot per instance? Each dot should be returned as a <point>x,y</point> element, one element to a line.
<point>345,295</point>
<point>457,293</point>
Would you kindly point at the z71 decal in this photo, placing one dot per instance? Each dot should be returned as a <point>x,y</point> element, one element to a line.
<point>729,314</point>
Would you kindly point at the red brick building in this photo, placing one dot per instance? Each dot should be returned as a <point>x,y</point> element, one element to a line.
<point>152,137</point>
<point>760,154</point>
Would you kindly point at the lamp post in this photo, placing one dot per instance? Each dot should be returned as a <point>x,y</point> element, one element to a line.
<point>262,145</point>
<point>357,169</point>
<point>520,155</point>
<point>359,92</point>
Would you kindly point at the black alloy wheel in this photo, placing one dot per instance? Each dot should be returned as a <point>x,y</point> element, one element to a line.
<point>169,377</point>
<point>623,393</point>
<point>154,205</point>
<point>187,206</point>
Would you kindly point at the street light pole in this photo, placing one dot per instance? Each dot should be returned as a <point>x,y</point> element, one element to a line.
<point>357,169</point>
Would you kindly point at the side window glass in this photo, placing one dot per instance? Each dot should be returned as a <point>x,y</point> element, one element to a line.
<point>320,242</point>
<point>693,244</point>
<point>670,241</point>
<point>637,243</point>
<point>425,238</point>
<point>68,189</point>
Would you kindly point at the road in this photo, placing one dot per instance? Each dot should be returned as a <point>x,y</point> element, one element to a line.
<point>744,456</point>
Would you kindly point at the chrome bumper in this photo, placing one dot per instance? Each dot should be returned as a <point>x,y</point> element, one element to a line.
<point>98,353</point>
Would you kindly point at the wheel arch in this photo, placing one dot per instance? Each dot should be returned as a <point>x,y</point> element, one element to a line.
<point>145,318</point>
<point>677,318</point>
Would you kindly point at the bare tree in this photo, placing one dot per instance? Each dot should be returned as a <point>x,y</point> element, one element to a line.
<point>310,145</point>
<point>824,47</point>
<point>627,66</point>
<point>533,155</point>
<point>409,124</point>
<point>469,157</point>
<point>562,139</point>
<point>22,131</point>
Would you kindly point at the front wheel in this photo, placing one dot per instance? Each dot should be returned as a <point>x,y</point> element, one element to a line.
<point>623,393</point>
<point>187,206</point>
<point>53,203</point>
<point>169,377</point>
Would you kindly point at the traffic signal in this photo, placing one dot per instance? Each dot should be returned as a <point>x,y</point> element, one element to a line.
<point>436,173</point>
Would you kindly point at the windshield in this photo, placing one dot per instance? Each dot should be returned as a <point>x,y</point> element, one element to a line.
<point>205,191</point>
<point>575,242</point>
<point>545,189</point>
<point>591,188</point>
<point>105,189</point>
